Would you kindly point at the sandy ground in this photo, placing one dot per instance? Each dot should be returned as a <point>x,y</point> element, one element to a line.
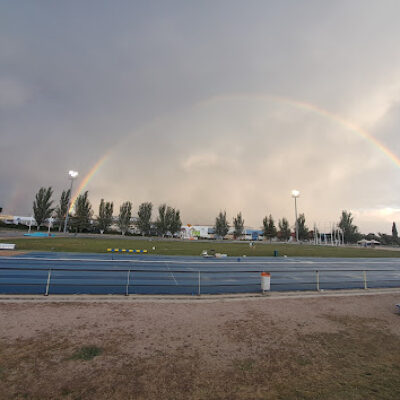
<point>192,350</point>
<point>11,253</point>
<point>200,321</point>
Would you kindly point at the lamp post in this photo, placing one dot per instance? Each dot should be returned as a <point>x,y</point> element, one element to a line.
<point>72,176</point>
<point>295,195</point>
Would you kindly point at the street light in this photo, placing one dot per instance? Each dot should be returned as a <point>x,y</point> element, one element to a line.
<point>295,195</point>
<point>72,176</point>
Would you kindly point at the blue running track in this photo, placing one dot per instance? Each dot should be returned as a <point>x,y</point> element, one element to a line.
<point>71,273</point>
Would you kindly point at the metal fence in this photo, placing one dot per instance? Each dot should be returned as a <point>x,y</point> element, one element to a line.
<point>45,280</point>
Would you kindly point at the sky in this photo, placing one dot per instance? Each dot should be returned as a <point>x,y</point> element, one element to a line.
<point>206,106</point>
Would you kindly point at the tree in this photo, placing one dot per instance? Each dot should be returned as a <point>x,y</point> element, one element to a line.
<point>42,205</point>
<point>174,221</point>
<point>371,236</point>
<point>169,220</point>
<point>162,223</point>
<point>83,213</point>
<point>144,217</point>
<point>284,229</point>
<point>350,231</point>
<point>124,218</point>
<point>221,225</point>
<point>62,208</point>
<point>385,239</point>
<point>301,225</point>
<point>395,235</point>
<point>269,227</point>
<point>104,219</point>
<point>238,223</point>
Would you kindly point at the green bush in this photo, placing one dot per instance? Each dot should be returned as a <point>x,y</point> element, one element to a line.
<point>87,353</point>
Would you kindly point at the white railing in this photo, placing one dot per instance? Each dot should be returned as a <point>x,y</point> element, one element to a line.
<point>127,281</point>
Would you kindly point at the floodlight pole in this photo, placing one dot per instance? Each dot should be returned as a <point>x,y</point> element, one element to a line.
<point>72,176</point>
<point>297,222</point>
<point>295,195</point>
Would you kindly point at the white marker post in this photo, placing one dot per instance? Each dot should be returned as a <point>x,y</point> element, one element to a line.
<point>265,281</point>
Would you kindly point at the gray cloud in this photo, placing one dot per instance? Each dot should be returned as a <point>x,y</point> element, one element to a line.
<point>180,94</point>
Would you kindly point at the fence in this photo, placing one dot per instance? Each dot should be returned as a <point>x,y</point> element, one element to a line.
<point>45,280</point>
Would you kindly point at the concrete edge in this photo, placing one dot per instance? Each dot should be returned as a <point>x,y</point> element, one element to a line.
<point>191,299</point>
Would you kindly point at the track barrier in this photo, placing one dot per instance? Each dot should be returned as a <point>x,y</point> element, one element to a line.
<point>135,280</point>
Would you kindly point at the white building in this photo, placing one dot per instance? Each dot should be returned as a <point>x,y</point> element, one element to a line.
<point>195,232</point>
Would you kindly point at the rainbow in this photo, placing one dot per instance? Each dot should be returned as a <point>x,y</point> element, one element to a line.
<point>319,111</point>
<point>345,123</point>
<point>279,99</point>
<point>87,179</point>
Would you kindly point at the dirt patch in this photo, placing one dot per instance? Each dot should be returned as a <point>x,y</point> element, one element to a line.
<point>325,348</point>
<point>11,253</point>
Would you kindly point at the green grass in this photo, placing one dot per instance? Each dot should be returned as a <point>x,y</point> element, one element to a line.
<point>191,248</point>
<point>86,353</point>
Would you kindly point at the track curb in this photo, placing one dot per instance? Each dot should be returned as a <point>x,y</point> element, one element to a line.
<point>192,299</point>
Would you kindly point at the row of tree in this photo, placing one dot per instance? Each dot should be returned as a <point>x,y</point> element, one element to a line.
<point>168,220</point>
<point>270,230</point>
<point>283,231</point>
<point>384,238</point>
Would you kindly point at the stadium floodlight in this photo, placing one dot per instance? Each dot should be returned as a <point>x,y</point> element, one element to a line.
<point>72,175</point>
<point>295,195</point>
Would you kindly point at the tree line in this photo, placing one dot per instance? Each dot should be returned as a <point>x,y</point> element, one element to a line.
<point>82,219</point>
<point>384,238</point>
<point>169,221</point>
<point>269,228</point>
<point>283,231</point>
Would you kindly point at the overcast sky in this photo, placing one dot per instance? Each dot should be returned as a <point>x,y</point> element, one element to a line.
<point>205,105</point>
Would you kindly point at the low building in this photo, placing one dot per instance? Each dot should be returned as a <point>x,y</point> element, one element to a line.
<point>368,243</point>
<point>195,232</point>
<point>253,234</point>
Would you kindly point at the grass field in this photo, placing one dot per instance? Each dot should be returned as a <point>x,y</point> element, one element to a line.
<point>192,248</point>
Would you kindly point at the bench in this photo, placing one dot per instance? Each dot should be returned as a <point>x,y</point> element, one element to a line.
<point>7,246</point>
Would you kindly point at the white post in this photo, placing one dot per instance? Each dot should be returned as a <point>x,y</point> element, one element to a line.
<point>317,276</point>
<point>365,279</point>
<point>50,225</point>
<point>127,283</point>
<point>265,282</point>
<point>199,291</point>
<point>48,283</point>
<point>30,225</point>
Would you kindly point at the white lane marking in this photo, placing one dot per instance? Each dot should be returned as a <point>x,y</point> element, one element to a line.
<point>302,262</point>
<point>172,274</point>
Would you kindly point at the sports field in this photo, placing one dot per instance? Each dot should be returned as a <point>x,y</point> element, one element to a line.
<point>83,273</point>
<point>192,248</point>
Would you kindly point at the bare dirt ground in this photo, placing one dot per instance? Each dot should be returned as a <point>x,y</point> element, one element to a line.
<point>11,253</point>
<point>290,348</point>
